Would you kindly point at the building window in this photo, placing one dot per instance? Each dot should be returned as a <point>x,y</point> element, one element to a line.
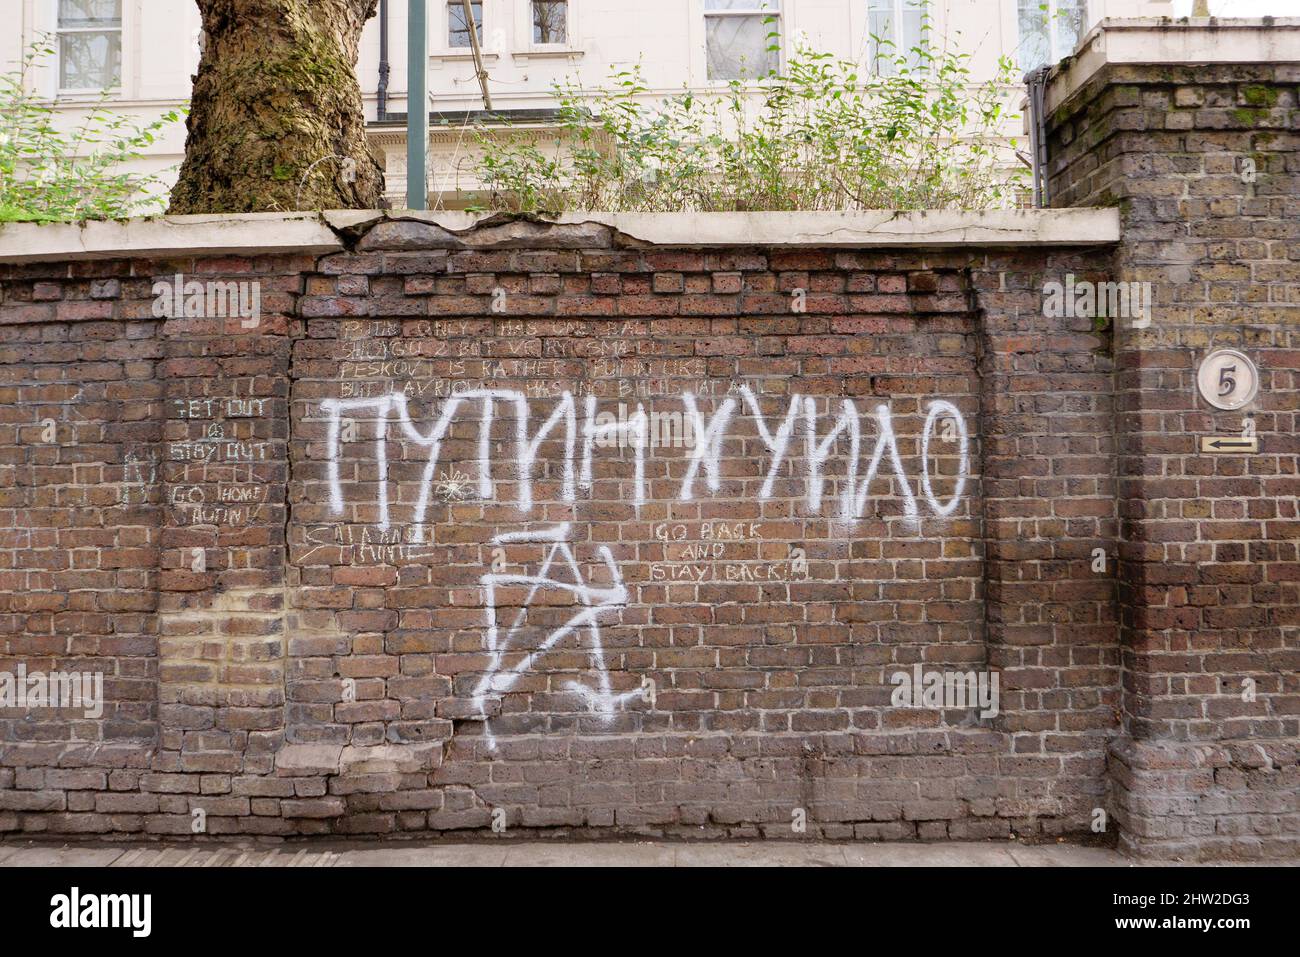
<point>550,21</point>
<point>897,29</point>
<point>1049,31</point>
<point>458,26</point>
<point>90,44</point>
<point>743,38</point>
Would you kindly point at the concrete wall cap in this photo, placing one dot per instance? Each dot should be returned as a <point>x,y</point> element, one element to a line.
<point>1166,42</point>
<point>247,234</point>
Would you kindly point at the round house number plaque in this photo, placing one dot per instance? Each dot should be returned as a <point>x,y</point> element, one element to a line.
<point>1227,379</point>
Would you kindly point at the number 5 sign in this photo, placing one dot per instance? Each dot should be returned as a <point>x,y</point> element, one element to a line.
<point>1227,379</point>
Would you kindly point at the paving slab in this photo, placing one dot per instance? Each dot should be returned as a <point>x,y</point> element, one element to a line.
<point>557,854</point>
<point>812,854</point>
<point>1066,855</point>
<point>427,855</point>
<point>928,855</point>
<point>71,855</point>
<point>592,855</point>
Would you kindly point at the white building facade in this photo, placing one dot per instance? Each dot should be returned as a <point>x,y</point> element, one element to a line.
<point>145,52</point>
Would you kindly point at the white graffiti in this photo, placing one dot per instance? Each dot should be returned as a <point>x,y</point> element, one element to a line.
<point>776,444</point>
<point>704,456</point>
<point>940,410</point>
<point>708,443</point>
<point>633,431</point>
<point>593,602</point>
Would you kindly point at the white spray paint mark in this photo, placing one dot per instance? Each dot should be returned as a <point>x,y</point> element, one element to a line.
<point>382,408</point>
<point>776,444</point>
<point>485,450</point>
<point>433,442</point>
<point>635,432</point>
<point>708,443</point>
<point>381,464</point>
<point>884,440</point>
<point>940,409</point>
<point>595,601</point>
<point>705,454</point>
<point>527,450</point>
<point>816,453</point>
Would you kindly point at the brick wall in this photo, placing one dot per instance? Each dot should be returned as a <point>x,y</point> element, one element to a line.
<point>1209,544</point>
<point>360,606</point>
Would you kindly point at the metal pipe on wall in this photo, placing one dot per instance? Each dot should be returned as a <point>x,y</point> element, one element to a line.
<point>1036,82</point>
<point>417,110</point>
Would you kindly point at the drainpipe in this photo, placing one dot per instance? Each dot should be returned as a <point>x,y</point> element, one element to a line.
<point>383,60</point>
<point>1037,84</point>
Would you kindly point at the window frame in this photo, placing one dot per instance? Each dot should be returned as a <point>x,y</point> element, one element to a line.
<point>468,48</point>
<point>78,92</point>
<point>779,13</point>
<point>1053,21</point>
<point>896,12</point>
<point>566,43</point>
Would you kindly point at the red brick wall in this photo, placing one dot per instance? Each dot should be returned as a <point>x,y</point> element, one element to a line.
<point>299,657</point>
<point>1209,544</point>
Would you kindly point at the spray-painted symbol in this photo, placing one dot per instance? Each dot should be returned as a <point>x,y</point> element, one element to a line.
<point>592,602</point>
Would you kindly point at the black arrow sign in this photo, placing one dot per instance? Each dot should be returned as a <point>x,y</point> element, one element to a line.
<point>1231,444</point>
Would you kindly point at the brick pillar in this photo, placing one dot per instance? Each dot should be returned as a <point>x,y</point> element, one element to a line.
<point>224,474</point>
<point>1203,162</point>
<point>1049,532</point>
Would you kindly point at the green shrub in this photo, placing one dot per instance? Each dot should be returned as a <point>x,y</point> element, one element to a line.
<point>821,135</point>
<point>51,175</point>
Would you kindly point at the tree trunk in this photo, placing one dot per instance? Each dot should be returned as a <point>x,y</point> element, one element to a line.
<point>276,93</point>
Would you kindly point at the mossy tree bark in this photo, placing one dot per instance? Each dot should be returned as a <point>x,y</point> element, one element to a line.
<point>277,92</point>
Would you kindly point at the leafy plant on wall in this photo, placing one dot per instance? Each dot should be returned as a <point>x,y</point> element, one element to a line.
<point>49,173</point>
<point>822,134</point>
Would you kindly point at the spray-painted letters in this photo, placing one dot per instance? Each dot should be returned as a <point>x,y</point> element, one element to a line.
<point>582,432</point>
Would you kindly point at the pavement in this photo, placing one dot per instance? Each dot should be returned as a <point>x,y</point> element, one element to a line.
<point>506,853</point>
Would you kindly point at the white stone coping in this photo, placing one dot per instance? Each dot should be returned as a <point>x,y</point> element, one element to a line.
<point>1180,42</point>
<point>249,234</point>
<point>163,236</point>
